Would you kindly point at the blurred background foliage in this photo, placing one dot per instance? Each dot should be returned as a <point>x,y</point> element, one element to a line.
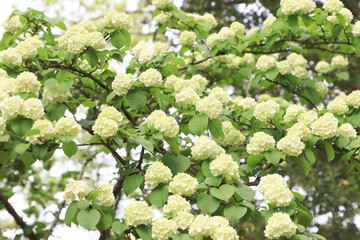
<point>332,191</point>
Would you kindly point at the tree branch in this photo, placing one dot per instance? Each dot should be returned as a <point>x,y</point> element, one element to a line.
<point>9,208</point>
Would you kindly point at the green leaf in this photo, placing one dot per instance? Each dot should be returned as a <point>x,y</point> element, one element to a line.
<point>32,132</point>
<point>253,160</point>
<point>300,237</point>
<point>119,227</point>
<point>300,228</point>
<point>21,125</point>
<point>176,163</point>
<point>83,204</point>
<point>55,112</point>
<point>274,156</point>
<point>330,153</point>
<point>136,99</point>
<point>4,138</point>
<point>215,128</point>
<point>272,73</point>
<point>303,164</point>
<point>310,156</point>
<point>144,232</point>
<point>256,80</point>
<point>105,222</point>
<point>205,168</point>
<point>315,236</point>
<point>27,159</point>
<point>21,148</point>
<point>145,143</point>
<point>71,213</point>
<point>174,144</point>
<point>245,192</point>
<point>91,57</point>
<point>213,181</point>
<point>131,183</point>
<point>343,75</point>
<point>159,195</point>
<point>120,38</point>
<point>110,96</point>
<point>233,212</point>
<point>224,192</point>
<point>69,148</point>
<point>292,21</point>
<point>304,216</point>
<point>88,218</point>
<point>207,203</point>
<point>198,124</point>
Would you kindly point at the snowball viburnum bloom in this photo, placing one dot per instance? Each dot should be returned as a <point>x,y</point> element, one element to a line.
<point>75,190</point>
<point>138,213</point>
<point>333,6</point>
<point>259,143</point>
<point>354,99</point>
<point>122,83</point>
<point>105,127</point>
<point>225,166</point>
<point>349,130</point>
<point>273,187</point>
<point>265,63</point>
<point>205,148</point>
<point>45,127</point>
<point>163,228</point>
<point>67,126</point>
<point>157,173</point>
<point>266,110</point>
<point>280,225</point>
<point>325,126</point>
<point>118,20</point>
<point>151,77</point>
<point>232,136</point>
<point>104,196</point>
<point>183,184</point>
<point>176,205</point>
<point>291,145</point>
<point>187,38</point>
<point>209,106</point>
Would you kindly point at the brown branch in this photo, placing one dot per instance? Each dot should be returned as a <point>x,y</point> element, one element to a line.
<point>9,208</point>
<point>127,114</point>
<point>114,153</point>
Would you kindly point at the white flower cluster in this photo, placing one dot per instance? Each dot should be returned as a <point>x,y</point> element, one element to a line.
<point>104,196</point>
<point>338,105</point>
<point>225,166</point>
<point>291,145</point>
<point>275,191</point>
<point>176,205</point>
<point>307,117</point>
<point>232,137</point>
<point>157,173</point>
<point>294,64</point>
<point>183,220</point>
<point>144,52</point>
<point>265,63</point>
<point>187,38</point>
<point>321,88</point>
<point>75,190</point>
<point>80,36</point>
<point>265,111</point>
<point>339,62</point>
<point>122,83</point>
<point>210,106</point>
<point>183,184</point>
<point>238,28</point>
<point>225,34</point>
<point>138,213</point>
<point>353,99</point>
<point>325,126</point>
<point>187,97</point>
<point>160,3</point>
<point>292,112</point>
<point>247,103</point>
<point>356,29</point>
<point>108,122</point>
<point>24,50</point>
<point>333,6</point>
<point>259,143</point>
<point>151,77</point>
<point>269,22</point>
<point>45,127</point>
<point>280,225</point>
<point>289,7</point>
<point>220,94</point>
<point>27,82</point>
<point>118,20</point>
<point>67,126</point>
<point>205,148</point>
<point>346,13</point>
<point>165,124</point>
<point>12,24</point>
<point>322,66</point>
<point>300,130</point>
<point>162,228</point>
<point>215,227</point>
<point>349,130</point>
<point>2,126</point>
<point>31,108</point>
<point>196,82</point>
<point>162,18</point>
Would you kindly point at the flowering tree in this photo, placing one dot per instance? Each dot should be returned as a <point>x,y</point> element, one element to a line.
<point>183,148</point>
